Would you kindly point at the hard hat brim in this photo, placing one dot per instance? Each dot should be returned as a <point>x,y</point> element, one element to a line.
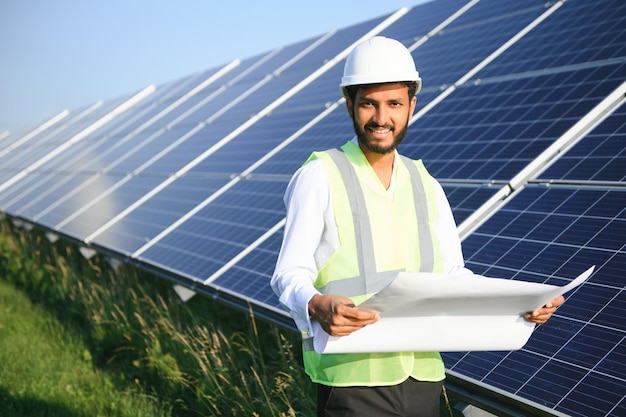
<point>356,80</point>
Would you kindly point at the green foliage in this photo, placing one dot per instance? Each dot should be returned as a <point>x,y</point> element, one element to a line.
<point>46,369</point>
<point>198,359</point>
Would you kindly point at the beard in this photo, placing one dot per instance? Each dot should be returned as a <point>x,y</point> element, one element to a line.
<point>361,134</point>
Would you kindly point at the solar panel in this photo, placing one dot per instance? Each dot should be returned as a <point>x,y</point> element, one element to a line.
<point>88,154</point>
<point>494,23</point>
<point>189,180</point>
<point>11,140</point>
<point>53,143</point>
<point>82,166</point>
<point>550,234</point>
<point>466,199</point>
<point>492,129</point>
<point>220,231</point>
<point>600,156</point>
<point>15,159</point>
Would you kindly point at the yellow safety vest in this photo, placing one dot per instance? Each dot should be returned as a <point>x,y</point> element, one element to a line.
<point>378,237</point>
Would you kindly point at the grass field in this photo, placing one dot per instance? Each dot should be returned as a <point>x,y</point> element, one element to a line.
<point>46,369</point>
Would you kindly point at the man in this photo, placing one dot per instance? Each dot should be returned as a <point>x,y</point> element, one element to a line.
<point>355,217</point>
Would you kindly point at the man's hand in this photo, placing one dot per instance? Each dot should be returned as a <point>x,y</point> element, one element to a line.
<point>338,315</point>
<point>541,315</point>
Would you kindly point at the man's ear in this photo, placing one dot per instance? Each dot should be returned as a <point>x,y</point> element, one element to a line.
<point>350,107</point>
<point>413,103</point>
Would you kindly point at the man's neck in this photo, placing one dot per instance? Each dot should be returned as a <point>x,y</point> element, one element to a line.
<point>382,164</point>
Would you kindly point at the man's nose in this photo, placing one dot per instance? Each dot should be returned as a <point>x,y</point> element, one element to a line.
<point>381,116</point>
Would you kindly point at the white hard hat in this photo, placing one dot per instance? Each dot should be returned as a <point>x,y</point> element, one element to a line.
<point>379,60</point>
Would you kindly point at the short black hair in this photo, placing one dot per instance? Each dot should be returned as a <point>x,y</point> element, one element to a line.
<point>351,90</point>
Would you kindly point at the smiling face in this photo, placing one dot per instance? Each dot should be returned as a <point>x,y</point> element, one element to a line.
<point>380,114</point>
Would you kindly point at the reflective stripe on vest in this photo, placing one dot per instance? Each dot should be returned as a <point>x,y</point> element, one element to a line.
<point>371,281</point>
<point>427,251</point>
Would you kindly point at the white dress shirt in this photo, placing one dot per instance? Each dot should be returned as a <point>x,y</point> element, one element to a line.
<point>311,238</point>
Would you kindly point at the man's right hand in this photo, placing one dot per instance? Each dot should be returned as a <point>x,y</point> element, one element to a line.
<point>338,316</point>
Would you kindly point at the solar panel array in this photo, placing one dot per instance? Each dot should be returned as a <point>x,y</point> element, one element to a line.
<point>520,118</point>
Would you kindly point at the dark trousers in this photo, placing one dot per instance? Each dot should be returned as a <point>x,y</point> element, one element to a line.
<point>411,398</point>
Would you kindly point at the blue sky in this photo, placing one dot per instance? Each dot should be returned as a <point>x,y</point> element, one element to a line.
<point>64,54</point>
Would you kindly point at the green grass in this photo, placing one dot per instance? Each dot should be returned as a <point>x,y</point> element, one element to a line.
<point>46,369</point>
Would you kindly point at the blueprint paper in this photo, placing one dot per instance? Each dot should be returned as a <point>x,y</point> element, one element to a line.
<point>445,313</point>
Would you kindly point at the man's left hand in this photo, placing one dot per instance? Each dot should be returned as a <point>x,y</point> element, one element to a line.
<point>541,315</point>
